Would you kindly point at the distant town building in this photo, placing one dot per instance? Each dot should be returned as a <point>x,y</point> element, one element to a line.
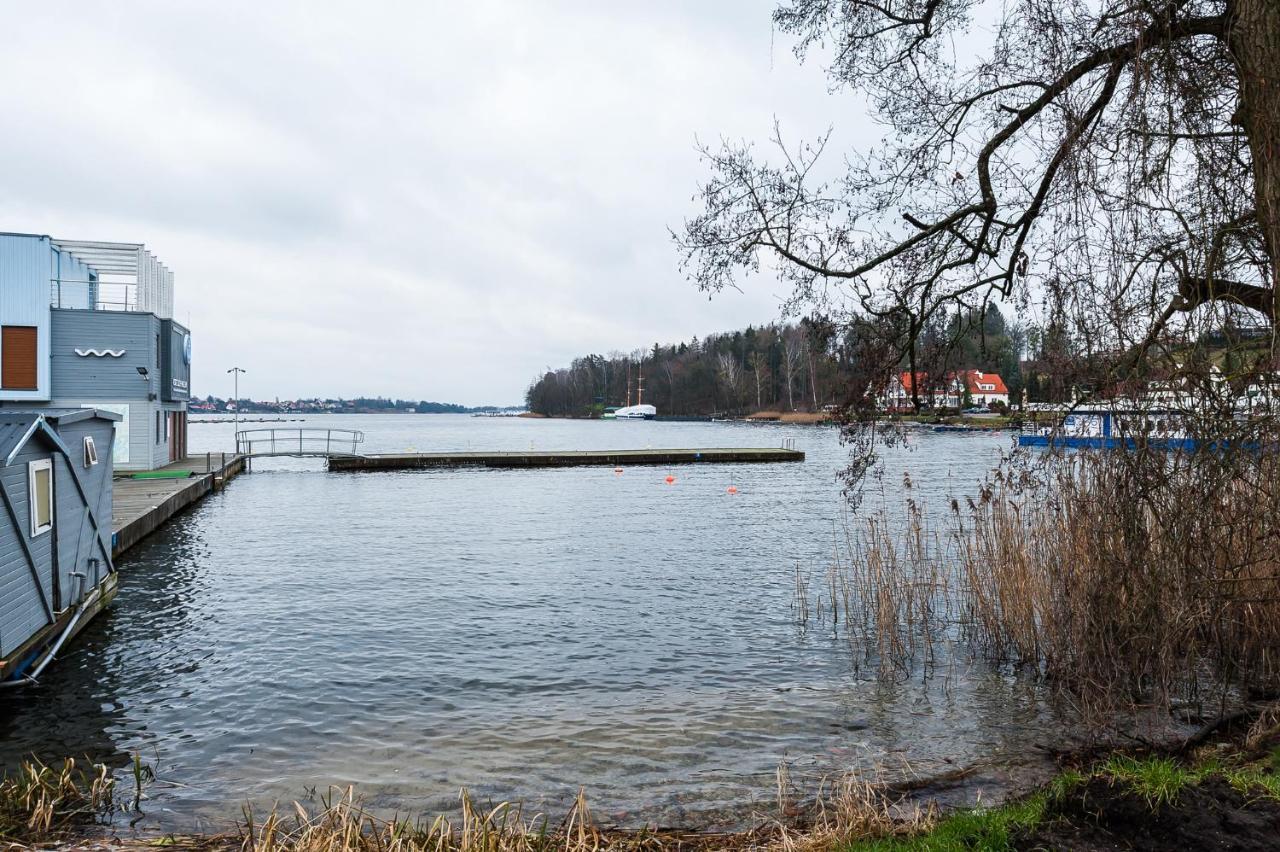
<point>88,324</point>
<point>963,387</point>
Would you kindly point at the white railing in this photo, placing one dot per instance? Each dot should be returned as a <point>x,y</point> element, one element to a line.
<point>299,442</point>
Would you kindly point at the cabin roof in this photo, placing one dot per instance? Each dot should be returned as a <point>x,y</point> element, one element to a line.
<point>17,427</point>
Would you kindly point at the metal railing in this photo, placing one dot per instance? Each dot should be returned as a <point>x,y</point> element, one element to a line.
<point>93,295</point>
<point>299,442</point>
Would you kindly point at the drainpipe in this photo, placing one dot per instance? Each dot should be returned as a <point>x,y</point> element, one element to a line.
<point>31,677</point>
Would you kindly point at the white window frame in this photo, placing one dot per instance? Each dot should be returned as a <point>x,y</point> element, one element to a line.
<point>90,451</point>
<point>32,468</point>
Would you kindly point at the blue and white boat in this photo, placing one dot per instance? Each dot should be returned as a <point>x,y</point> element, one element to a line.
<point>1108,427</point>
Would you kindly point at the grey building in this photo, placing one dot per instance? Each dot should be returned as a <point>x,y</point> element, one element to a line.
<point>55,530</point>
<point>90,324</point>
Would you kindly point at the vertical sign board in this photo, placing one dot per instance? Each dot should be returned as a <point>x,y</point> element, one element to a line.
<point>120,444</point>
<point>175,360</point>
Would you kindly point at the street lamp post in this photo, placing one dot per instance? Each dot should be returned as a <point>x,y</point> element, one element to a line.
<point>237,371</point>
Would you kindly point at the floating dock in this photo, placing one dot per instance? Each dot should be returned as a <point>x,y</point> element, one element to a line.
<point>566,458</point>
<point>141,503</point>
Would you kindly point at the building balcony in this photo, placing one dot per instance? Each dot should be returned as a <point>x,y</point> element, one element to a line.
<point>101,276</point>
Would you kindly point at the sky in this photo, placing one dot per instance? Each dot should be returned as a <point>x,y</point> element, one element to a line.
<point>421,200</point>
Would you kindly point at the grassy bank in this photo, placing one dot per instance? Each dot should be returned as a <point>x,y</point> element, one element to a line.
<point>1125,802</point>
<point>999,421</point>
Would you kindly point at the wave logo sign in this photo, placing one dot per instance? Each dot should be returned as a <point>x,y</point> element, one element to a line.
<point>100,353</point>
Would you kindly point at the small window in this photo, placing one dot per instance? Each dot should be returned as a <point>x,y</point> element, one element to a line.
<point>159,429</point>
<point>40,494</point>
<point>90,451</point>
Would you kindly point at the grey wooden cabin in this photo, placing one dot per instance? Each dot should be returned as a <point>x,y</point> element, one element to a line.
<point>55,529</point>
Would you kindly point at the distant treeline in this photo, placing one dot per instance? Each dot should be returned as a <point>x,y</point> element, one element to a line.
<point>357,405</point>
<point>802,366</point>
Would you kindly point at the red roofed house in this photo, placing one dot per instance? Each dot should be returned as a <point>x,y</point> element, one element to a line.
<point>983,388</point>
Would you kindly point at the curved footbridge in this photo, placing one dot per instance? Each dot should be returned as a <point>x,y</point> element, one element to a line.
<point>299,443</point>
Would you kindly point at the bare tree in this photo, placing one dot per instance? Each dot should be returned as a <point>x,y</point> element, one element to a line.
<point>1119,157</point>
<point>759,368</point>
<point>793,351</point>
<point>730,372</point>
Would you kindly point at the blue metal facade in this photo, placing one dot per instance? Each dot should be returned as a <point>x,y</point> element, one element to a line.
<point>25,262</point>
<point>131,362</point>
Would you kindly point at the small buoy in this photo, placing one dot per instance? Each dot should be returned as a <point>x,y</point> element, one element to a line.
<point>733,489</point>
<point>671,480</point>
<point>618,471</point>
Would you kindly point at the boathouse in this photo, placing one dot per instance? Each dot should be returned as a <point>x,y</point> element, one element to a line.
<point>55,530</point>
<point>90,324</point>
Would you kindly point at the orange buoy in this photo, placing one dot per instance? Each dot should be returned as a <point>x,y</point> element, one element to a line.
<point>671,480</point>
<point>733,489</point>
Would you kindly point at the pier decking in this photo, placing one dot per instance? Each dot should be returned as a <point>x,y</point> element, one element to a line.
<point>567,458</point>
<point>139,506</point>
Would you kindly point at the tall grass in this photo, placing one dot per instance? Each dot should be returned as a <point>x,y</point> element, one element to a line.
<point>40,803</point>
<point>342,823</point>
<point>1135,576</point>
<point>846,809</point>
<point>1121,577</point>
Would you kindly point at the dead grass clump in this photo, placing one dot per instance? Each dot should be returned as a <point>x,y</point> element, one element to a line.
<point>343,825</point>
<point>849,809</point>
<point>40,803</point>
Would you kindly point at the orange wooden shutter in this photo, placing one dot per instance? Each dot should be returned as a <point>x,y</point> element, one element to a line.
<point>18,357</point>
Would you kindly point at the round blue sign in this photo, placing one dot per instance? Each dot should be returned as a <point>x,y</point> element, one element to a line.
<point>186,349</point>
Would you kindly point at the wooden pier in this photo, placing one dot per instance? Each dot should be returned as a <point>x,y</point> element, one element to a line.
<point>139,506</point>
<point>566,458</point>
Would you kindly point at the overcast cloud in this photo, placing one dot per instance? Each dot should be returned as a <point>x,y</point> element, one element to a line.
<point>420,200</point>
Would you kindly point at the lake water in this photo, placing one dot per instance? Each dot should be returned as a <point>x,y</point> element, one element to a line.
<point>520,633</point>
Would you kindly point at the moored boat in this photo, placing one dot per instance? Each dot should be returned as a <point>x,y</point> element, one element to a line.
<point>636,412</point>
<point>1103,427</point>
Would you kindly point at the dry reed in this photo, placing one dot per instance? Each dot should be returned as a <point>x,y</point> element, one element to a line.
<point>1121,577</point>
<point>40,803</point>
<point>846,809</point>
<point>343,825</point>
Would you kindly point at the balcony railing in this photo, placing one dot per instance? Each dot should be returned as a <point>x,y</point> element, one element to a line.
<point>93,295</point>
